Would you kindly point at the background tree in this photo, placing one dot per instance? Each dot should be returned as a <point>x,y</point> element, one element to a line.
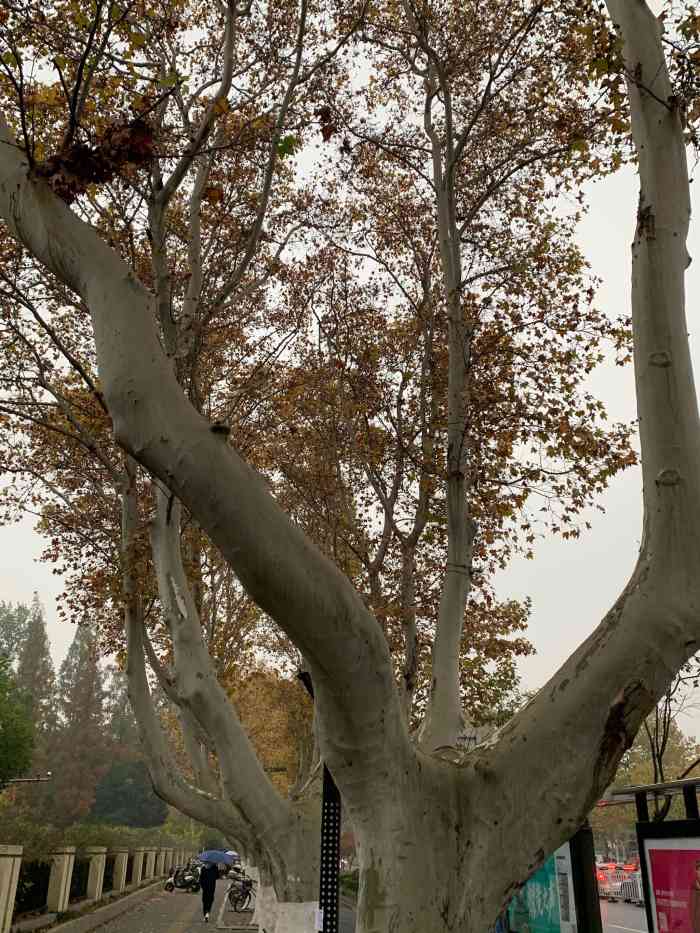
<point>79,748</point>
<point>13,624</point>
<point>124,796</point>
<point>16,732</point>
<point>639,765</point>
<point>277,715</point>
<point>35,673</point>
<point>36,680</point>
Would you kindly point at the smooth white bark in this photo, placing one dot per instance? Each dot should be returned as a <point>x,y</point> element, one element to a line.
<point>444,721</point>
<point>265,913</point>
<point>296,918</point>
<point>244,781</point>
<point>165,776</point>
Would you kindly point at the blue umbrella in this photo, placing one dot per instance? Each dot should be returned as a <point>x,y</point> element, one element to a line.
<point>219,857</point>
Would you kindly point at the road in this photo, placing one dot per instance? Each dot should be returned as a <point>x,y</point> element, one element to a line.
<point>623,918</point>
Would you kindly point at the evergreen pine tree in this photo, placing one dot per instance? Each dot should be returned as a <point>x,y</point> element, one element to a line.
<point>36,681</point>
<point>125,795</point>
<point>81,747</point>
<point>121,723</point>
<point>13,628</point>
<point>15,728</point>
<point>35,673</point>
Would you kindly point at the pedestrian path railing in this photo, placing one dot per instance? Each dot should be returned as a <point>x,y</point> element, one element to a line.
<point>81,877</point>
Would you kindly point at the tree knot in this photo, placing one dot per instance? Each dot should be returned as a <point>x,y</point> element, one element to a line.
<point>669,477</point>
<point>646,223</point>
<point>660,358</point>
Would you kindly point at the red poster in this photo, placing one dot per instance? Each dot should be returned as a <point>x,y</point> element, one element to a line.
<point>675,885</point>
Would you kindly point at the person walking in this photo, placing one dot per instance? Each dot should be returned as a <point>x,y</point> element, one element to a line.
<point>208,877</point>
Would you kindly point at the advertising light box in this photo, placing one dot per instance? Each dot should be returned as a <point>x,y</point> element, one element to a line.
<point>545,903</point>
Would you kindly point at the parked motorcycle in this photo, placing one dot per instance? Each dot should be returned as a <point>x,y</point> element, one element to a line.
<point>184,878</point>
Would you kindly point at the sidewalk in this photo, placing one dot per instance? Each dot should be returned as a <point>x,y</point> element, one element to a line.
<point>94,918</point>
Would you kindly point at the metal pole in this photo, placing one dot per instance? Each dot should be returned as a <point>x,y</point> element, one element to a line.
<point>329,882</point>
<point>585,887</point>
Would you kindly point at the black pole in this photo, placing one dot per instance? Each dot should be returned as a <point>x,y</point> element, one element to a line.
<point>329,883</point>
<point>642,805</point>
<point>585,886</point>
<point>690,799</point>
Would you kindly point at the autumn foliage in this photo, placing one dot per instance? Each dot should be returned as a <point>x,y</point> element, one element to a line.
<point>299,289</point>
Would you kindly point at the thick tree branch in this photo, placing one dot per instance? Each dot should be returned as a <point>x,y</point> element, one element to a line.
<point>167,782</point>
<point>198,690</point>
<point>589,712</point>
<point>213,109</point>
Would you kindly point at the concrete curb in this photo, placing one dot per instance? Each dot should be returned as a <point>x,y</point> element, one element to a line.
<point>95,918</point>
<point>221,923</point>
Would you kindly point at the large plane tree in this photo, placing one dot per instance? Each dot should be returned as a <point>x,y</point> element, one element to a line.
<point>445,834</point>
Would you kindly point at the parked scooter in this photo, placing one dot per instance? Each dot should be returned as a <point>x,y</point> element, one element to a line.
<point>185,877</point>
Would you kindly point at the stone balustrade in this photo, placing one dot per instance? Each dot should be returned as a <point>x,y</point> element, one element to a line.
<point>148,864</point>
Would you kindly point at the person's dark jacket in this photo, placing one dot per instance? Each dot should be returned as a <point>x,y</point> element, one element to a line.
<point>208,877</point>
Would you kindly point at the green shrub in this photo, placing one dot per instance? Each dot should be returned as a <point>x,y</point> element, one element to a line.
<point>18,828</point>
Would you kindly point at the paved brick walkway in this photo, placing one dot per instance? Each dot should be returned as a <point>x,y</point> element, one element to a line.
<point>164,912</point>
<point>178,912</point>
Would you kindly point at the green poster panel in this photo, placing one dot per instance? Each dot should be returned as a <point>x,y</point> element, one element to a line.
<point>535,908</point>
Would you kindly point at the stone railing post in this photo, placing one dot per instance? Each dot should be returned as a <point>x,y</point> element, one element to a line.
<point>62,861</point>
<point>10,863</point>
<point>169,853</point>
<point>160,862</point>
<point>121,864</point>
<point>96,873</point>
<point>150,866</point>
<point>137,871</point>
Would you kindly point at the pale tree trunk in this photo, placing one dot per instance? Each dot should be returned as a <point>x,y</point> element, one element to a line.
<point>283,839</point>
<point>194,738</point>
<point>199,803</point>
<point>410,631</point>
<point>442,845</point>
<point>287,834</point>
<point>444,721</point>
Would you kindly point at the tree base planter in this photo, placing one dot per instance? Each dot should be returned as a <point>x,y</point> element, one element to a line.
<point>230,920</point>
<point>238,927</point>
<point>296,918</point>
